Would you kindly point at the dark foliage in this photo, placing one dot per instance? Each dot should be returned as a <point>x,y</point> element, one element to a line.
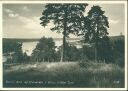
<point>119,51</point>
<point>45,50</point>
<point>11,46</point>
<point>104,50</point>
<point>13,51</point>
<point>71,52</point>
<point>95,32</point>
<point>67,19</point>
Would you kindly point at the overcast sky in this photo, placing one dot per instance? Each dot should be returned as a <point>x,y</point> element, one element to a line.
<point>22,20</point>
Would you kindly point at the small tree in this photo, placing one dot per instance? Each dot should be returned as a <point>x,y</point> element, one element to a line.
<point>13,49</point>
<point>26,58</point>
<point>67,19</point>
<point>45,50</point>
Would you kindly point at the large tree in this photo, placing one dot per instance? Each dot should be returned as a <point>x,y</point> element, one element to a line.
<point>67,19</point>
<point>96,24</point>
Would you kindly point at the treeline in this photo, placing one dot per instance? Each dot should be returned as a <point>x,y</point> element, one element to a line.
<point>112,52</point>
<point>46,51</point>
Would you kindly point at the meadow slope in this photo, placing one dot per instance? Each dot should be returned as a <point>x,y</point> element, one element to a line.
<point>64,74</point>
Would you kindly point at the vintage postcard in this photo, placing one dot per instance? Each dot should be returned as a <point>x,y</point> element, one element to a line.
<point>64,45</point>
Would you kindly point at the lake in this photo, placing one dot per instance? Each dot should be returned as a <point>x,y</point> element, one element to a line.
<point>30,45</point>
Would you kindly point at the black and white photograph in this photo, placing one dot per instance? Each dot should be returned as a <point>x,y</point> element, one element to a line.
<point>64,45</point>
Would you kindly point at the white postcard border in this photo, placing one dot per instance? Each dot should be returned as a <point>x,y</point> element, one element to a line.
<point>41,2</point>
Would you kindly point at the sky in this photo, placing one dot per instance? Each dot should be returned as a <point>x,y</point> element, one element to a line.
<point>22,20</point>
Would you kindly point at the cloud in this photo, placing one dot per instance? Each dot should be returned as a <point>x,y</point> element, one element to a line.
<point>30,23</point>
<point>8,11</point>
<point>11,13</point>
<point>25,8</point>
<point>111,21</point>
<point>33,23</point>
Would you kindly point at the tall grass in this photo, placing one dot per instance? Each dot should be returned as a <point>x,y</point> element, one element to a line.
<point>104,75</point>
<point>66,74</point>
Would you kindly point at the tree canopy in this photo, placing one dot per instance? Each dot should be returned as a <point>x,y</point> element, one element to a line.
<point>63,16</point>
<point>96,24</point>
<point>67,19</point>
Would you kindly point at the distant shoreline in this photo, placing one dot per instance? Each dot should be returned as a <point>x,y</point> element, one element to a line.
<point>35,39</point>
<point>55,39</point>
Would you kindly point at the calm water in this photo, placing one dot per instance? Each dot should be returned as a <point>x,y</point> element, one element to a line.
<point>29,46</point>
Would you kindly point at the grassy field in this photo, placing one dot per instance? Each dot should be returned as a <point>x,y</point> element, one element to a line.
<point>64,74</point>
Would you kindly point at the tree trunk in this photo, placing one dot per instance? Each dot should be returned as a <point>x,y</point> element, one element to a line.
<point>63,47</point>
<point>95,54</point>
<point>64,37</point>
